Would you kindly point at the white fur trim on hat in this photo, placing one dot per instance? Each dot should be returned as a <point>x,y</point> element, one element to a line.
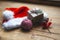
<point>13,23</point>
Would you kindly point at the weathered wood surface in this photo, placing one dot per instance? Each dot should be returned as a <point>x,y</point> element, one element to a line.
<point>35,33</point>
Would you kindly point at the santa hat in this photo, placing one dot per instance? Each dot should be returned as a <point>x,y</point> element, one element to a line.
<point>14,16</point>
<point>11,13</point>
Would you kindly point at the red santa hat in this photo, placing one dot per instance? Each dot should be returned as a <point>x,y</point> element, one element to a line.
<point>10,13</point>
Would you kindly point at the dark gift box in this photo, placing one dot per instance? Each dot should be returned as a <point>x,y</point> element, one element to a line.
<point>36,16</point>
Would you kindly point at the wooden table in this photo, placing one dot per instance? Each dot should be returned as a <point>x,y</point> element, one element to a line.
<point>36,33</point>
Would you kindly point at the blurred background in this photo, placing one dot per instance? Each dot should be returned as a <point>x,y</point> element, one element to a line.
<point>45,2</point>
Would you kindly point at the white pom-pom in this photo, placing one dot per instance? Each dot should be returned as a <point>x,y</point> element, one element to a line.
<point>7,14</point>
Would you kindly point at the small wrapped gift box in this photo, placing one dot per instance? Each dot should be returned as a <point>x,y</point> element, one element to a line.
<point>36,15</point>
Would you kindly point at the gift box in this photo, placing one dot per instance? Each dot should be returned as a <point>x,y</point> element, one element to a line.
<point>36,15</point>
